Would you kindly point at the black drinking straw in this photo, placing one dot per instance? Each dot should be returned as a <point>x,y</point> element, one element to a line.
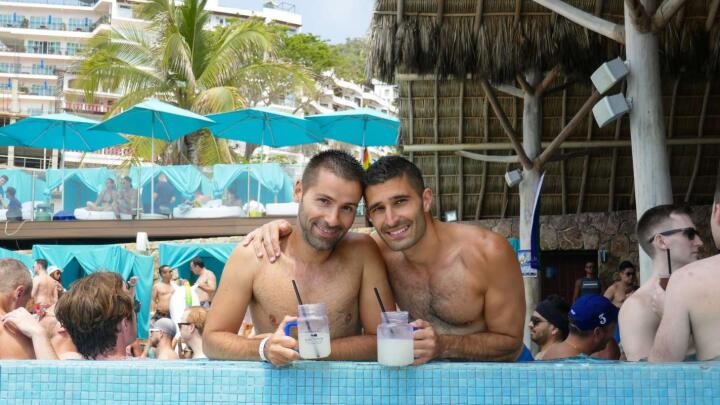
<point>307,323</point>
<point>377,294</point>
<point>297,293</point>
<point>669,265</point>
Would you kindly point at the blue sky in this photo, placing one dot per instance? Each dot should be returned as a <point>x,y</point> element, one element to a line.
<point>333,20</point>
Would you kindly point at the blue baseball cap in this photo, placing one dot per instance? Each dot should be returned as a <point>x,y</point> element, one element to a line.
<point>592,311</point>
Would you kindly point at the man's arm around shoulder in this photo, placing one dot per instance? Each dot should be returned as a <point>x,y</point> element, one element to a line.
<point>364,347</point>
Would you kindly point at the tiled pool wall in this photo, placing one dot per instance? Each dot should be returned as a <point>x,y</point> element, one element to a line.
<point>191,382</point>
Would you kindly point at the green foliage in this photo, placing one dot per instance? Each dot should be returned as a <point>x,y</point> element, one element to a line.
<point>351,58</point>
<point>310,51</point>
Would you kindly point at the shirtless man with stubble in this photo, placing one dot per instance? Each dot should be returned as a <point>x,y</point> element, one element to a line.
<point>161,293</point>
<point>461,283</point>
<point>692,305</point>
<point>330,266</point>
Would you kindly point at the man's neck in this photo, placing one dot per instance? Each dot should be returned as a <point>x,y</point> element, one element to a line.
<point>116,353</point>
<point>168,282</point>
<point>582,346</point>
<point>424,253</point>
<point>299,249</point>
<point>41,272</point>
<point>195,344</point>
<point>548,343</point>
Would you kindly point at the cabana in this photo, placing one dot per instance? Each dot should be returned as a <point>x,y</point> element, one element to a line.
<point>78,261</point>
<point>178,256</point>
<point>81,185</point>
<point>23,183</point>
<point>185,179</point>
<point>266,180</point>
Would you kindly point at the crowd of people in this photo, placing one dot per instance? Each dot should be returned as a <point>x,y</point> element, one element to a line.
<point>461,285</point>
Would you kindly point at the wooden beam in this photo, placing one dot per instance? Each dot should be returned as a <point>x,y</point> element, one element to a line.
<point>518,9</point>
<point>616,32</point>
<point>509,90</point>
<point>478,15</point>
<point>560,87</point>
<point>461,170</point>
<point>621,143</point>
<point>488,158</point>
<point>400,10</point>
<point>574,122</point>
<point>613,164</point>
<point>548,79</point>
<point>640,18</point>
<point>665,12</point>
<point>436,137</point>
<point>586,169</point>
<point>524,85</point>
<point>509,130</point>
<point>701,130</point>
<point>712,13</point>
<point>506,188</point>
<point>486,137</point>
<point>563,190</point>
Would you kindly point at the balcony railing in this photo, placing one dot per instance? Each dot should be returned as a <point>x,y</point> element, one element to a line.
<point>42,50</point>
<point>87,108</point>
<point>27,69</point>
<point>52,24</point>
<point>77,3</point>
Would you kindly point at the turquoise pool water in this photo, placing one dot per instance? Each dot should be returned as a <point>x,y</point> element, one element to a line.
<point>190,382</point>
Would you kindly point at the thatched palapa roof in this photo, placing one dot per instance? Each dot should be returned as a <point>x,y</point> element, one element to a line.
<point>437,51</point>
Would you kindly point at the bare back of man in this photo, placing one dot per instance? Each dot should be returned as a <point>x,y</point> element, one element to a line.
<point>45,291</point>
<point>691,310</point>
<point>474,286</point>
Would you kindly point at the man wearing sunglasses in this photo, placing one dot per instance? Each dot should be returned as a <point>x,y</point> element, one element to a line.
<point>691,305</point>
<point>626,285</point>
<point>668,235</point>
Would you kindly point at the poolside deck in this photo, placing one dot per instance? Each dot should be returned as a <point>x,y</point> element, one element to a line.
<point>19,234</point>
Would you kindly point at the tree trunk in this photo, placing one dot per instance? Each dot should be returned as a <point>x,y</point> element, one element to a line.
<point>249,149</point>
<point>651,168</point>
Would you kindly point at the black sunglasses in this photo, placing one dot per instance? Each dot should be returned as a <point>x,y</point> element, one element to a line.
<point>183,323</point>
<point>630,274</point>
<point>535,320</point>
<point>689,233</point>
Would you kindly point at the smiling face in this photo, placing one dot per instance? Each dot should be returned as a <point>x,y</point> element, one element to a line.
<point>327,209</point>
<point>398,212</point>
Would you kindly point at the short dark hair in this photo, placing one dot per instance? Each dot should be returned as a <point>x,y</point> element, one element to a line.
<point>626,264</point>
<point>4,177</point>
<point>127,178</point>
<point>92,311</point>
<point>43,263</point>
<point>163,266</point>
<point>198,261</point>
<point>653,218</point>
<point>337,162</point>
<point>10,191</point>
<point>389,167</point>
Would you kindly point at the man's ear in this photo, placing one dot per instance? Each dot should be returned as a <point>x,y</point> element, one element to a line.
<point>297,191</point>
<point>19,292</point>
<point>427,198</point>
<point>716,213</point>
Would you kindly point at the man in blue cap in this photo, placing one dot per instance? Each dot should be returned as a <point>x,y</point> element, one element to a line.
<point>592,323</point>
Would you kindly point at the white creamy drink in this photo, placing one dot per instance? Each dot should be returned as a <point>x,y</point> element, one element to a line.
<point>395,352</point>
<point>314,345</point>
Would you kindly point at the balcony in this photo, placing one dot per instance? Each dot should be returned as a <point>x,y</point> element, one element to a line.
<point>52,48</point>
<point>74,3</point>
<point>29,90</point>
<point>51,23</point>
<point>16,68</point>
<point>87,108</point>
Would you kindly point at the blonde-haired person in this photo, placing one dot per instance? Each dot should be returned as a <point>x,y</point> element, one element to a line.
<point>191,329</point>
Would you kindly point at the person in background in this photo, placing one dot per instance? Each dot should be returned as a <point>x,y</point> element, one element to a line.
<point>592,321</point>
<point>206,282</point>
<point>107,200</point>
<point>164,195</point>
<point>691,305</point>
<point>162,290</point>
<point>3,181</point>
<point>98,314</point>
<point>626,285</point>
<point>45,290</point>
<point>56,273</point>
<point>14,206</point>
<point>199,199</point>
<point>231,200</point>
<point>161,337</point>
<point>191,330</point>
<point>549,323</point>
<point>659,230</point>
<point>590,284</point>
<point>21,335</point>
<point>127,198</point>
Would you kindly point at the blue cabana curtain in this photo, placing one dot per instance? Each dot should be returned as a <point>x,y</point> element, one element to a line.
<point>178,256</point>
<point>81,185</point>
<point>186,179</point>
<point>275,185</point>
<point>23,183</point>
<point>27,260</point>
<point>78,261</point>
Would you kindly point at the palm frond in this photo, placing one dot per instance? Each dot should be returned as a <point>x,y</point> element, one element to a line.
<point>219,99</point>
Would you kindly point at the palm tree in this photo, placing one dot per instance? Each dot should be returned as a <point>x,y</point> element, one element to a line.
<point>177,59</point>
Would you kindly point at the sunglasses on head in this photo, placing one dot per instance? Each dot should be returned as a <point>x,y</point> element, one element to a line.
<point>690,233</point>
<point>535,320</point>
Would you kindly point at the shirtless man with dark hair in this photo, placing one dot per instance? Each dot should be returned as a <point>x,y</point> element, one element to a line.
<point>692,307</point>
<point>461,283</point>
<point>161,293</point>
<point>44,289</point>
<point>330,266</point>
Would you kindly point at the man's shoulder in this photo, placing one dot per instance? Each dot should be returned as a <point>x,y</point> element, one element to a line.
<point>704,267</point>
<point>478,242</point>
<point>636,305</point>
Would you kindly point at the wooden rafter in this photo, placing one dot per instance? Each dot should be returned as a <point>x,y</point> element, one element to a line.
<point>506,189</point>
<point>698,150</point>
<point>712,13</point>
<point>461,169</point>
<point>613,164</point>
<point>483,180</point>
<point>488,158</point>
<point>435,155</point>
<point>567,130</point>
<point>547,80</point>
<point>509,130</point>
<point>411,119</point>
<point>518,9</point>
<point>524,85</point>
<point>665,13</point>
<point>640,18</point>
<point>586,169</point>
<point>563,190</point>
<point>478,15</point>
<point>616,32</point>
<point>509,90</point>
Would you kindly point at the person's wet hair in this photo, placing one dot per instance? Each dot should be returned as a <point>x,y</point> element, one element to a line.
<point>649,223</point>
<point>390,167</point>
<point>92,311</point>
<point>337,162</point>
<point>13,274</point>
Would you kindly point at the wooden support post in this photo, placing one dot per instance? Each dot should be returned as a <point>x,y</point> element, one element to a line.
<point>509,130</point>
<point>647,124</point>
<point>436,136</point>
<point>563,189</point>
<point>701,130</point>
<point>616,32</point>
<point>665,12</point>
<point>586,169</point>
<point>411,120</point>
<point>712,13</point>
<point>483,180</point>
<point>613,164</point>
<point>461,171</point>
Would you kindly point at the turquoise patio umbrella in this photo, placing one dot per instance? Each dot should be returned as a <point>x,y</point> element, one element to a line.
<point>156,120</point>
<point>62,131</point>
<point>363,127</point>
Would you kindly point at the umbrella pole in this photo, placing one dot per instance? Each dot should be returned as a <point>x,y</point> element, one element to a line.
<point>152,164</point>
<point>62,165</point>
